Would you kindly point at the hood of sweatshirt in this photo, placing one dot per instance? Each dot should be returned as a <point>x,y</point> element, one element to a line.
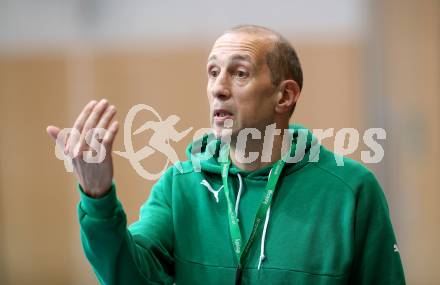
<point>204,154</point>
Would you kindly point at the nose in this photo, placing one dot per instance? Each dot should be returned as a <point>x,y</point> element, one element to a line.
<point>220,86</point>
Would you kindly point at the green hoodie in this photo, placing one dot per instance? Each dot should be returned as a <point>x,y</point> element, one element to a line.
<point>327,224</point>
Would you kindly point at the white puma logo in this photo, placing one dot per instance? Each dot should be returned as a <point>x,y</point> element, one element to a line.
<point>210,189</point>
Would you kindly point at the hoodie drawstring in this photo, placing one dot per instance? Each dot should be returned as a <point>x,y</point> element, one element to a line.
<point>240,188</point>
<point>263,236</point>
<point>263,239</point>
<point>237,203</point>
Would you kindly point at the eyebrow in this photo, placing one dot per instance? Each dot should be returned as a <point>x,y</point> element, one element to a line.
<point>235,57</point>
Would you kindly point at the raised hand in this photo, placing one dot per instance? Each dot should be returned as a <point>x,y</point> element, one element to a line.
<point>89,144</point>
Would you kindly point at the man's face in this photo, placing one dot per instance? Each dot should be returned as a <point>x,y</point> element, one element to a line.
<point>239,83</point>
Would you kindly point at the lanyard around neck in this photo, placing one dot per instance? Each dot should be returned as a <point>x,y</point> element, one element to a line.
<point>236,237</point>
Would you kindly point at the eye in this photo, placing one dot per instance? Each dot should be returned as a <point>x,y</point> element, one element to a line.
<point>242,74</point>
<point>213,72</point>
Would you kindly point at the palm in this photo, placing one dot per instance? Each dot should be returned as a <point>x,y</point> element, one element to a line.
<point>95,178</point>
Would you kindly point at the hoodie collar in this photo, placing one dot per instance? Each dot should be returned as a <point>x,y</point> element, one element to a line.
<point>205,153</point>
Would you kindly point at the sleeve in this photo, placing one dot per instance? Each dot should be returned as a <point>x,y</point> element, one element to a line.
<point>377,259</point>
<point>141,254</point>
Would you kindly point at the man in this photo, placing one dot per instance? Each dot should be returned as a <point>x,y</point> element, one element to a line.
<point>306,221</point>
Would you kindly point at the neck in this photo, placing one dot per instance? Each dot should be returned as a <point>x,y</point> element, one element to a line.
<point>266,155</point>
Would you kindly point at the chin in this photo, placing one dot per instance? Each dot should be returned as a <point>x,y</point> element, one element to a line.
<point>222,133</point>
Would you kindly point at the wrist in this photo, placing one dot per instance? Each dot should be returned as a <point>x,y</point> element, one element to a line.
<point>103,207</point>
<point>95,193</point>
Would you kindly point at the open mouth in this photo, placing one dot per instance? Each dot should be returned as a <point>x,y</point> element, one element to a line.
<point>222,113</point>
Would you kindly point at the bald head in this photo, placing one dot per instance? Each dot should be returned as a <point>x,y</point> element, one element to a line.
<point>281,57</point>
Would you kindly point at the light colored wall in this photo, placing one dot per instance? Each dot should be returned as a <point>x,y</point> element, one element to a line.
<point>410,39</point>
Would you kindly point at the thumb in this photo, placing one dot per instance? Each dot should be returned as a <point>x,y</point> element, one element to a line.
<point>53,132</point>
<point>58,137</point>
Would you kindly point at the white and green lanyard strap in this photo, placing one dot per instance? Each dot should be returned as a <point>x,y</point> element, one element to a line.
<point>236,237</point>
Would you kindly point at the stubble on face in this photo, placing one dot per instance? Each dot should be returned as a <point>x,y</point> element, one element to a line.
<point>247,107</point>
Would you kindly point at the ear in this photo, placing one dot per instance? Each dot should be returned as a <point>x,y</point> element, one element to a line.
<point>288,95</point>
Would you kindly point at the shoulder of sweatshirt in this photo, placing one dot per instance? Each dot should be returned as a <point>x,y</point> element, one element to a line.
<point>181,168</point>
<point>351,173</point>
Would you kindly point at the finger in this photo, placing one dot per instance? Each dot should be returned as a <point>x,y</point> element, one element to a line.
<point>79,122</point>
<point>53,132</point>
<point>106,118</point>
<point>103,125</point>
<point>110,134</point>
<point>61,139</point>
<point>58,136</point>
<point>95,115</point>
<point>91,122</point>
<point>65,139</point>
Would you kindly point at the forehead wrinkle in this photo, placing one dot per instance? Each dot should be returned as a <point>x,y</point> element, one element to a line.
<point>250,47</point>
<point>251,51</point>
<point>236,58</point>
